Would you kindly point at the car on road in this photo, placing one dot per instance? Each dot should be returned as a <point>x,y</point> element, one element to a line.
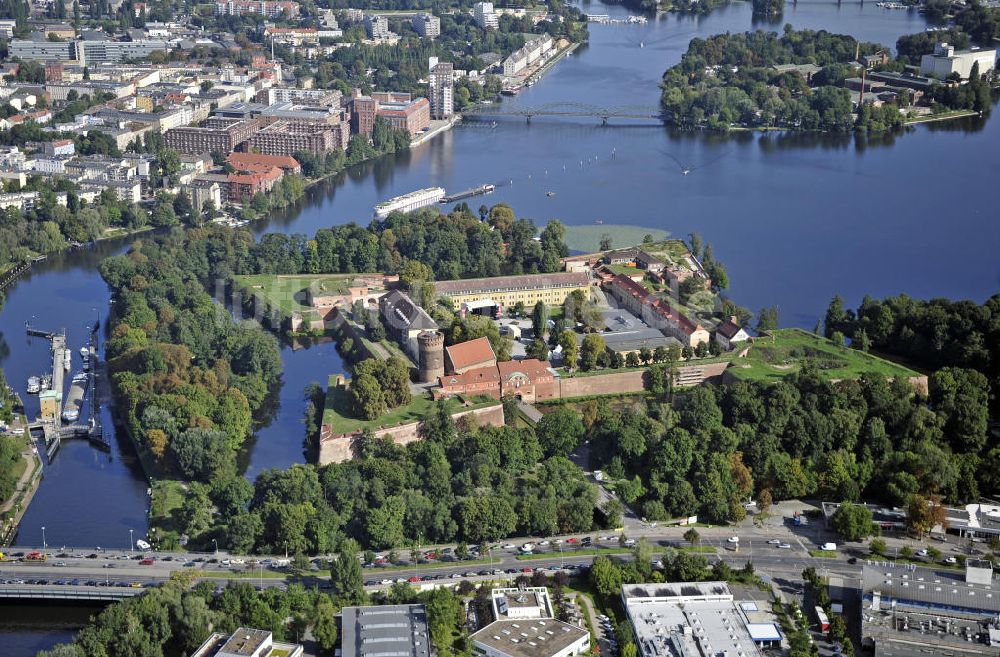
<point>922,553</point>
<point>456,575</point>
<point>413,579</point>
<point>146,562</point>
<point>572,540</point>
<point>785,546</point>
<point>951,560</point>
<point>508,546</point>
<point>60,564</point>
<point>629,542</point>
<point>543,543</point>
<point>527,570</point>
<point>93,555</point>
<point>774,541</point>
<point>733,539</point>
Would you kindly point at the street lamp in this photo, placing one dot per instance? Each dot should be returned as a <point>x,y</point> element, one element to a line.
<point>44,544</point>
<point>131,543</point>
<point>286,549</point>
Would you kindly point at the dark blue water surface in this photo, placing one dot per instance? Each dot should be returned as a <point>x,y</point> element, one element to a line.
<point>796,219</point>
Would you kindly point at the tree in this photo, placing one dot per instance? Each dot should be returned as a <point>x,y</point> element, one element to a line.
<point>570,349</point>
<point>764,501</point>
<point>346,578</point>
<point>853,521</point>
<point>878,547</point>
<point>367,397</point>
<point>539,319</point>
<point>767,319</point>
<point>325,624</point>
<point>591,350</point>
<point>606,576</point>
<point>537,349</point>
<point>692,536</point>
<point>559,432</point>
<point>923,514</point>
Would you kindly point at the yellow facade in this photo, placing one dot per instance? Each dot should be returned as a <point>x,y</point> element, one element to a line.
<point>529,297</point>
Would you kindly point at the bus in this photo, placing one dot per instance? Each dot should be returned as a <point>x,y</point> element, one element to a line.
<point>824,622</point>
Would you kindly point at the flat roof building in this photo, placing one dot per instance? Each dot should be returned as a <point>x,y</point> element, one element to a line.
<point>397,630</point>
<point>246,642</point>
<point>524,627</point>
<point>945,61</point>
<point>910,610</point>
<point>694,618</point>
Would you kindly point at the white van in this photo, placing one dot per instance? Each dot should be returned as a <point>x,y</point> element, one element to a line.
<point>830,547</point>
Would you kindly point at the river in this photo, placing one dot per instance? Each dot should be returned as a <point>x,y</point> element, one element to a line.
<point>795,218</point>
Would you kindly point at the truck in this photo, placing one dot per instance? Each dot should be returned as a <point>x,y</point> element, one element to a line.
<point>34,556</point>
<point>830,547</point>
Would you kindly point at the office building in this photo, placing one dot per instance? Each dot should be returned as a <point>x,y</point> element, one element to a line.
<point>410,115</point>
<point>909,610</point>
<point>524,627</point>
<point>85,51</point>
<point>696,618</point>
<point>441,85</point>
<point>221,135</point>
<point>427,25</point>
<point>397,630</point>
<point>484,15</point>
<point>945,60</point>
<point>245,642</point>
<point>377,26</point>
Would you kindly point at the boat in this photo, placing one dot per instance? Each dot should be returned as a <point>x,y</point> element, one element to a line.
<point>79,377</point>
<point>142,545</point>
<point>84,352</point>
<point>550,194</point>
<point>67,359</point>
<point>409,202</point>
<point>34,385</point>
<point>70,415</point>
<point>475,191</point>
<point>46,382</point>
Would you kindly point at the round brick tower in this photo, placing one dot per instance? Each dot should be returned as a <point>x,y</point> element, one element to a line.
<point>431,347</point>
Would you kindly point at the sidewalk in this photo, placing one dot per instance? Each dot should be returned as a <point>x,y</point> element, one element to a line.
<point>603,646</point>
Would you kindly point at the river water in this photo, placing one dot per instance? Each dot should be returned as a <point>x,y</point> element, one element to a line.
<point>796,219</point>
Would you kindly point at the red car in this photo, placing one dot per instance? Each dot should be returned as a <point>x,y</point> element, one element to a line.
<point>572,540</point>
<point>527,570</point>
<point>146,562</point>
<point>413,579</point>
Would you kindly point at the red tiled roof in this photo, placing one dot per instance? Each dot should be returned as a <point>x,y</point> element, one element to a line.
<point>469,353</point>
<point>729,328</point>
<point>636,290</point>
<point>258,162</point>
<point>478,376</point>
<point>532,368</point>
<point>680,319</point>
<point>255,178</point>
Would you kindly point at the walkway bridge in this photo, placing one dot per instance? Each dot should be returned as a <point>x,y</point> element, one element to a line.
<point>567,109</point>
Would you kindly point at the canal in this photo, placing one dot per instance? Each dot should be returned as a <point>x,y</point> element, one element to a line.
<point>795,218</point>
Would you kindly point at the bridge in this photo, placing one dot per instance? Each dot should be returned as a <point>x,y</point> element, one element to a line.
<point>567,109</point>
<point>99,592</point>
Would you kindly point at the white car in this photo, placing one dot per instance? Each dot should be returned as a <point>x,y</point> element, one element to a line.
<point>733,539</point>
<point>922,553</point>
<point>386,581</point>
<point>774,541</point>
<point>785,546</point>
<point>543,543</point>
<point>951,560</point>
<point>629,542</point>
<point>508,546</point>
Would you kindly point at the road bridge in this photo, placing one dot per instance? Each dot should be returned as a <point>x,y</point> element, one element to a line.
<point>84,593</point>
<point>567,109</point>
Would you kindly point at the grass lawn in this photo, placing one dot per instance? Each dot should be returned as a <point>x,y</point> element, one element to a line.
<point>288,294</point>
<point>671,251</point>
<point>773,361</point>
<point>168,496</point>
<point>337,412</point>
<point>823,554</point>
<point>587,238</point>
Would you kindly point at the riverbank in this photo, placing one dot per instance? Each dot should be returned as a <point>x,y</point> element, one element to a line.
<point>942,116</point>
<point>29,479</point>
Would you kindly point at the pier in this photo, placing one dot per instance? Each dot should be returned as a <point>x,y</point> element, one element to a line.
<point>49,425</point>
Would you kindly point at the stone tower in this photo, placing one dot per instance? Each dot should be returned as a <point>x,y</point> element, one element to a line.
<point>431,348</point>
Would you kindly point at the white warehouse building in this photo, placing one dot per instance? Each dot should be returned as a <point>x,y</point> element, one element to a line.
<point>945,60</point>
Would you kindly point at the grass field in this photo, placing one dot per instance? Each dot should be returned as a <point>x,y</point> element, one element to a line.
<point>773,361</point>
<point>337,411</point>
<point>289,294</point>
<point>823,554</point>
<point>587,238</point>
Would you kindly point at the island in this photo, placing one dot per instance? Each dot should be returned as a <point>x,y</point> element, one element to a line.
<point>815,80</point>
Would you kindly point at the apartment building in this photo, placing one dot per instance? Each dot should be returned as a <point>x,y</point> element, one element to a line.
<point>290,137</point>
<point>377,26</point>
<point>263,7</point>
<point>441,84</point>
<point>222,135</point>
<point>427,25</point>
<point>485,17</point>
